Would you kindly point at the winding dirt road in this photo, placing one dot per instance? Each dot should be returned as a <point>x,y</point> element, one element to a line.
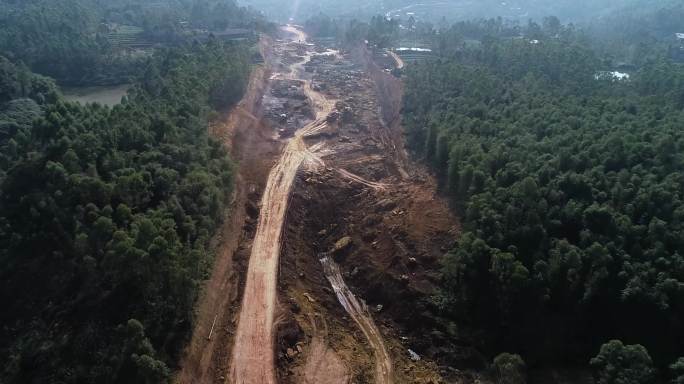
<point>253,358</point>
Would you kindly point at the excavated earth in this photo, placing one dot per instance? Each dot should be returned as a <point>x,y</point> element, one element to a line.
<point>379,216</point>
<point>368,208</point>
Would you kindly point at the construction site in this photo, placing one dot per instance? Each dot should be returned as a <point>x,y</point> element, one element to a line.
<point>333,231</point>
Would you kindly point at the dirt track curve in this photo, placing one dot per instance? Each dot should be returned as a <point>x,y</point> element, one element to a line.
<point>253,354</point>
<point>320,154</point>
<point>253,359</point>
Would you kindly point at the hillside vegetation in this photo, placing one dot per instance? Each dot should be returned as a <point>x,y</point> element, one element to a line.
<point>105,218</point>
<point>570,189</point>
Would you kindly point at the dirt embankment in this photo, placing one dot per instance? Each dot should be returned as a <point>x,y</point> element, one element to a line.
<point>380,217</point>
<point>323,172</point>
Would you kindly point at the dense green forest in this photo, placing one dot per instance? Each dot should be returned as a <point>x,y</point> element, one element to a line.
<point>87,42</point>
<point>105,217</point>
<point>570,191</point>
<point>22,94</point>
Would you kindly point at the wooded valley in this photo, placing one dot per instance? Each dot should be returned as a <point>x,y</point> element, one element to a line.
<point>394,192</point>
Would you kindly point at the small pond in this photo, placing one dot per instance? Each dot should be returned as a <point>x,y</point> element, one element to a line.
<point>106,95</point>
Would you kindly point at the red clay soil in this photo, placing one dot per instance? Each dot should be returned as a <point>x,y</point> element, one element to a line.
<point>253,359</point>
<point>341,172</point>
<point>372,197</point>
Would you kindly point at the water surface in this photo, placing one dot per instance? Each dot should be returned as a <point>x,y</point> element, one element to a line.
<point>107,95</point>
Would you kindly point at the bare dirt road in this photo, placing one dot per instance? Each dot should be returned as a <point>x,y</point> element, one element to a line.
<point>253,358</point>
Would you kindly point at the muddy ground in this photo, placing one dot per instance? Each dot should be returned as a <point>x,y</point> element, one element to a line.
<point>382,207</point>
<point>398,229</point>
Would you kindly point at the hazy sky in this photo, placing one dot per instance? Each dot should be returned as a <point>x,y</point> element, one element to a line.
<point>433,10</point>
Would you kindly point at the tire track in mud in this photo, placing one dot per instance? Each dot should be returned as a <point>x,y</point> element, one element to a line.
<point>358,310</point>
<point>253,355</point>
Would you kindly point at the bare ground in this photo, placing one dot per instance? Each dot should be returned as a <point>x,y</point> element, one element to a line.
<point>253,359</point>
<point>397,225</point>
<point>321,158</point>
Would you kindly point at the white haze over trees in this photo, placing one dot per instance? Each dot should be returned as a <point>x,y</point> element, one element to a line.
<point>453,10</point>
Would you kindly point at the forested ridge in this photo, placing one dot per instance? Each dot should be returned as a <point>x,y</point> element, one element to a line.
<point>105,218</point>
<point>570,190</point>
